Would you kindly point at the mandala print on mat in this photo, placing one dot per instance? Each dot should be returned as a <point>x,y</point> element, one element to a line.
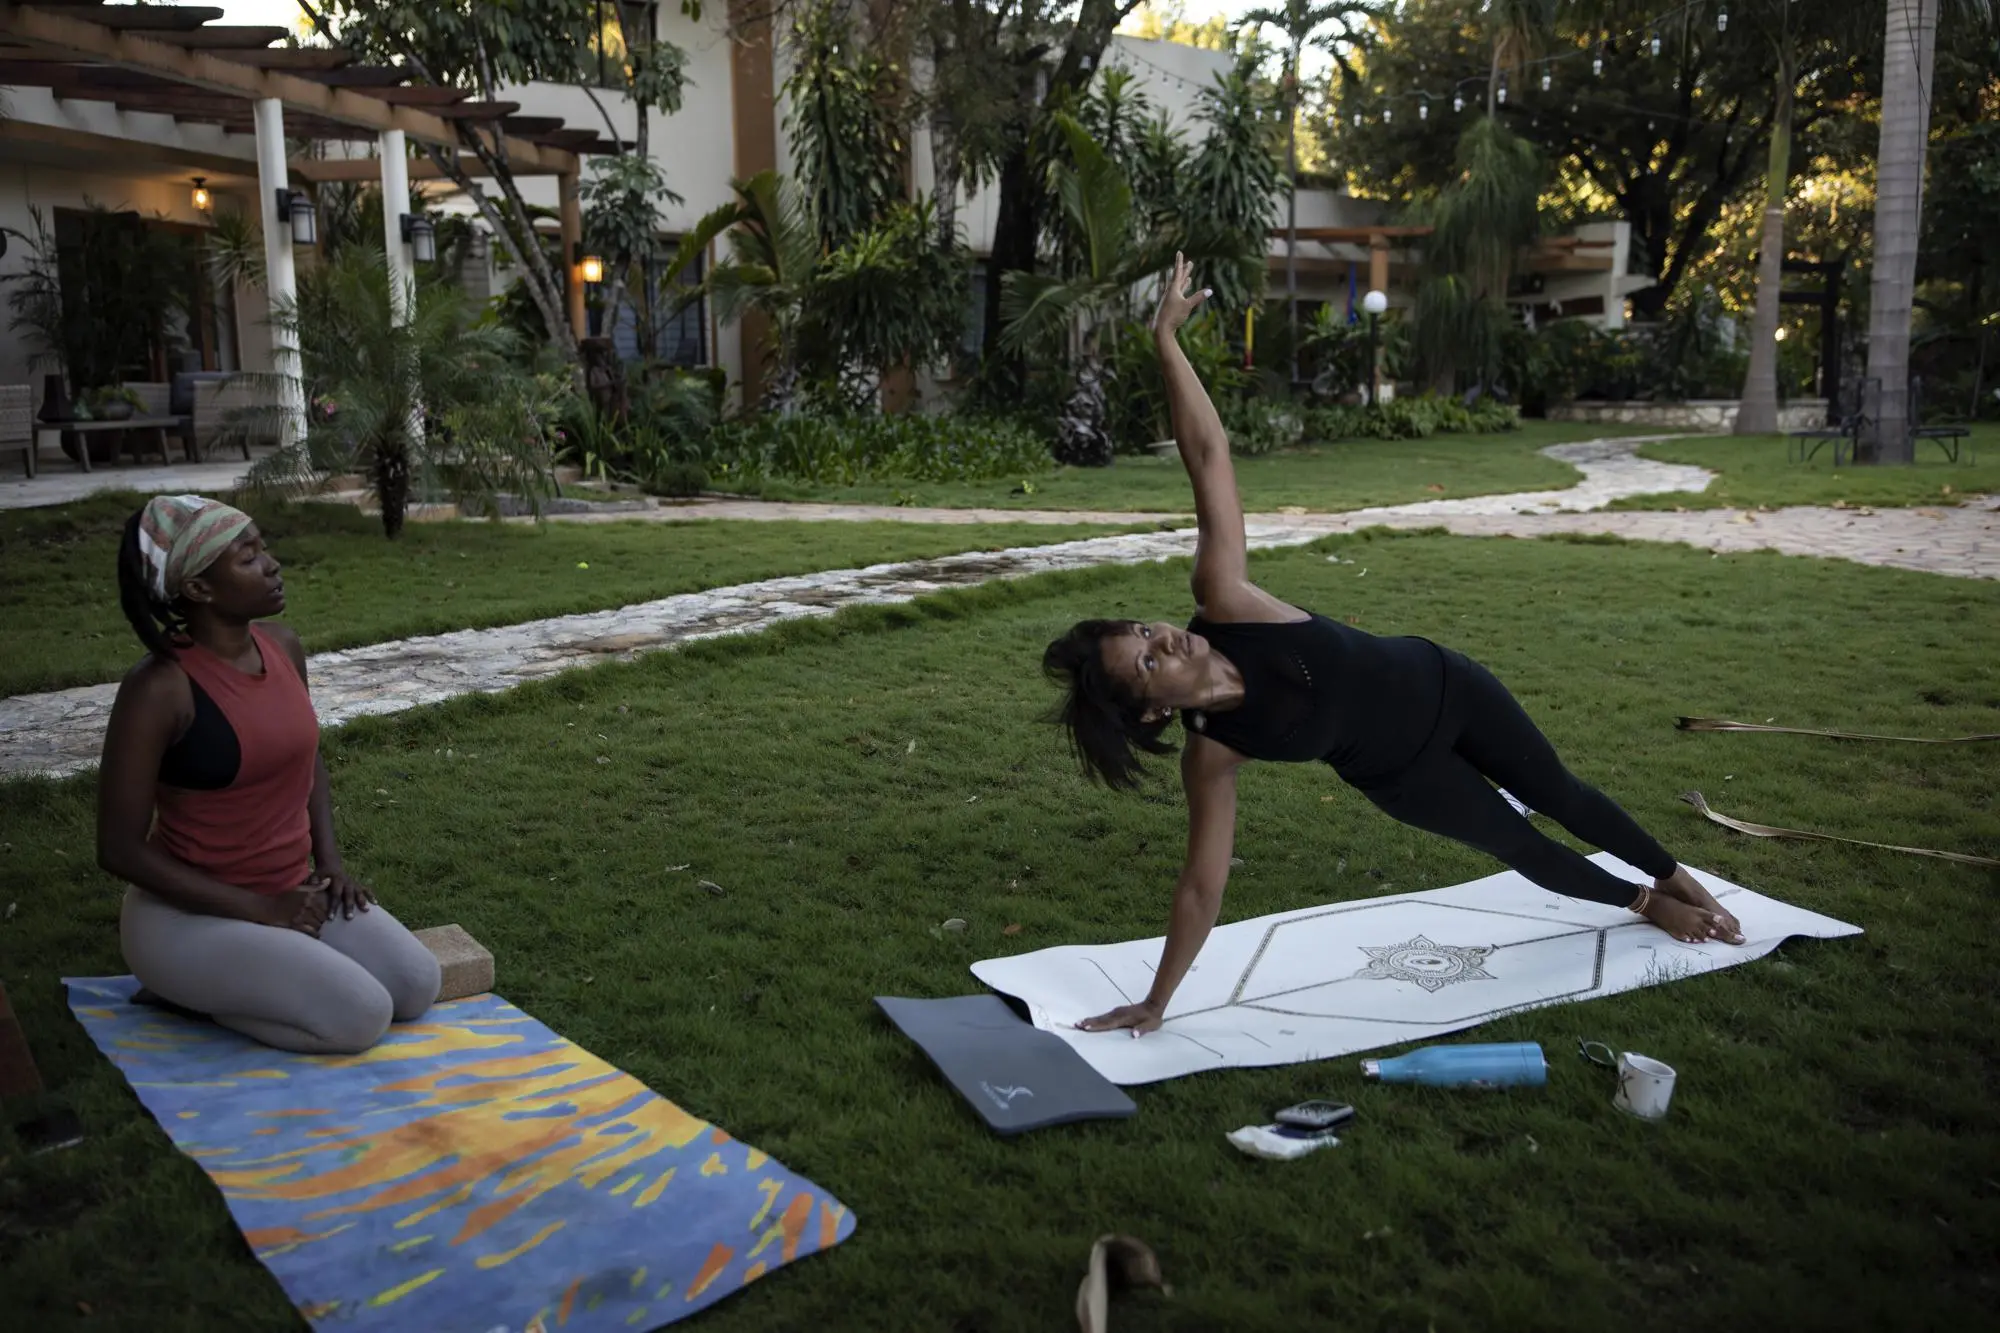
<point>1432,966</point>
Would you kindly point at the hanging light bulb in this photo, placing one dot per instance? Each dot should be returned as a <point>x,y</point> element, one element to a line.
<point>1722,20</point>
<point>1545,80</point>
<point>1458,101</point>
<point>1656,43</point>
<point>1388,114</point>
<point>1357,120</point>
<point>1597,63</point>
<point>1501,91</point>
<point>1424,109</point>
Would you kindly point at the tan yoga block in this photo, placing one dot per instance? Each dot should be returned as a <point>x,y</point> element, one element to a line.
<point>467,967</point>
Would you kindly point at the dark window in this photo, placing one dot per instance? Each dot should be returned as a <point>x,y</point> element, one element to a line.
<point>680,338</point>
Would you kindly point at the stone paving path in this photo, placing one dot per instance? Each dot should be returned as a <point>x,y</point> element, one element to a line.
<point>59,733</point>
<point>62,482</point>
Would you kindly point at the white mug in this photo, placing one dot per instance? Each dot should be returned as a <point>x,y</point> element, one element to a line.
<point>1645,1086</point>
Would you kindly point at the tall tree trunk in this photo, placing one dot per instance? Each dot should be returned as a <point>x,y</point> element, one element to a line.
<point>1757,413</point>
<point>1292,207</point>
<point>1910,42</point>
<point>1017,220</point>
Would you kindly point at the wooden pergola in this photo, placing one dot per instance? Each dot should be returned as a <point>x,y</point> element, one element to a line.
<point>1549,253</point>
<point>178,61</point>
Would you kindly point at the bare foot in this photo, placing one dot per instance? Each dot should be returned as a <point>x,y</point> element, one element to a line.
<point>1684,887</point>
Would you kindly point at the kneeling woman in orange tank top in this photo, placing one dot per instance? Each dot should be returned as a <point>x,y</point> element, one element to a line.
<point>214,805</point>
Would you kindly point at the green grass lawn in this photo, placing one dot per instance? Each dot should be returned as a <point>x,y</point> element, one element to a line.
<point>1833,1150</point>
<point>1324,478</point>
<point>347,585</point>
<point>1753,471</point>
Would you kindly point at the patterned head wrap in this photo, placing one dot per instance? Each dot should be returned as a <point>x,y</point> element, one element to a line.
<point>180,536</point>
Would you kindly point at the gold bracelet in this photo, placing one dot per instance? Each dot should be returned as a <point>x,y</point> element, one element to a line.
<point>1642,902</point>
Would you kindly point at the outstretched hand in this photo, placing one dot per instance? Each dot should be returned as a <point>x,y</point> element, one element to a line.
<point>1176,303</point>
<point>1140,1018</point>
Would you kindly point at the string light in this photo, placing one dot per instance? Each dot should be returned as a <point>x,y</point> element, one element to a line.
<point>1722,20</point>
<point>1388,114</point>
<point>1650,31</point>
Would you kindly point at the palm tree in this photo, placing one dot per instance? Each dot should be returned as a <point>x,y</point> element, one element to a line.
<point>774,252</point>
<point>1109,262</point>
<point>435,403</point>
<point>1908,58</point>
<point>1516,27</point>
<point>1304,23</point>
<point>1757,409</point>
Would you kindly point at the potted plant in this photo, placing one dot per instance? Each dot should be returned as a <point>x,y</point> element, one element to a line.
<point>97,304</point>
<point>112,402</point>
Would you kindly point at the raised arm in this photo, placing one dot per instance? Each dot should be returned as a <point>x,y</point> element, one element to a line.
<point>1220,565</point>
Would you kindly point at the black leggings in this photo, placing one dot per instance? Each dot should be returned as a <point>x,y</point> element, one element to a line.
<point>1485,734</point>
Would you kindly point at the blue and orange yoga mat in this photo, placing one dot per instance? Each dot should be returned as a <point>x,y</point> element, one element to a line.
<point>474,1171</point>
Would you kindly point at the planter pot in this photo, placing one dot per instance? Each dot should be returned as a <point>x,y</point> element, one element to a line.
<point>115,411</point>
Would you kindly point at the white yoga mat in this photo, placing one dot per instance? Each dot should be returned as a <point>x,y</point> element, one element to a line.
<point>1348,977</point>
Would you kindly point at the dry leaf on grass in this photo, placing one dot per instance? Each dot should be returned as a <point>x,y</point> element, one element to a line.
<point>1123,1261</point>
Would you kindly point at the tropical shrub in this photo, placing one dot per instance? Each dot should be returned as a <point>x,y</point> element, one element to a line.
<point>836,451</point>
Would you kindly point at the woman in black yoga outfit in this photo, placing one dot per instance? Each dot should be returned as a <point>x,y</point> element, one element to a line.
<point>1418,729</point>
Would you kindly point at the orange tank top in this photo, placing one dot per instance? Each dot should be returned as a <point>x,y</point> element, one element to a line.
<point>247,824</point>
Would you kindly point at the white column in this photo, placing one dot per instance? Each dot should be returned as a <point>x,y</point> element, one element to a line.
<point>280,277</point>
<point>395,203</point>
<point>402,269</point>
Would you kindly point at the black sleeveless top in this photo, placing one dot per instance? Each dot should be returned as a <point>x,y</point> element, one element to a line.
<point>1315,689</point>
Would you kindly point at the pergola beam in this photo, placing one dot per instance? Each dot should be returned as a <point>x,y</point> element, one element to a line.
<point>222,39</point>
<point>58,32</point>
<point>319,58</point>
<point>1351,235</point>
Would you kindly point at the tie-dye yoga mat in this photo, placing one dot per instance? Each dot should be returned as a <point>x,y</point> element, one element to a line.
<point>474,1171</point>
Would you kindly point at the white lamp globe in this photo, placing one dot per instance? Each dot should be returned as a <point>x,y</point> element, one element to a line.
<point>1375,303</point>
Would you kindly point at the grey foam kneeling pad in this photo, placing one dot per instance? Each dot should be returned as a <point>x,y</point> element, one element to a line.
<point>1016,1076</point>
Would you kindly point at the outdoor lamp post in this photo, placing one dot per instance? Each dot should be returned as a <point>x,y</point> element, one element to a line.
<point>296,207</point>
<point>1374,303</point>
<point>420,234</point>
<point>589,268</point>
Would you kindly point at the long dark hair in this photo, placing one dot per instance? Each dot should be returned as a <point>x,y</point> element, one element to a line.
<point>156,623</point>
<point>1105,720</point>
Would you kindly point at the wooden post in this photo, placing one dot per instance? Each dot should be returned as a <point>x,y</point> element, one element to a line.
<point>1378,263</point>
<point>18,1075</point>
<point>572,241</point>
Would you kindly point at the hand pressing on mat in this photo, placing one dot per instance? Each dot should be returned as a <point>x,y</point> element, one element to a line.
<point>303,909</point>
<point>1140,1018</point>
<point>345,894</point>
<point>1686,888</point>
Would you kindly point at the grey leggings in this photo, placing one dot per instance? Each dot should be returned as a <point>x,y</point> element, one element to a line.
<point>334,995</point>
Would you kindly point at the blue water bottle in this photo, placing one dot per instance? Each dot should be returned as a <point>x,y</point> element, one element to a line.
<point>1493,1065</point>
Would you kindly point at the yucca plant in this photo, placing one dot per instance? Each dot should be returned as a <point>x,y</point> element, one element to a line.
<point>436,405</point>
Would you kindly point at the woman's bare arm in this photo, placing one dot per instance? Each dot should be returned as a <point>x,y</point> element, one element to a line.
<point>1221,581</point>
